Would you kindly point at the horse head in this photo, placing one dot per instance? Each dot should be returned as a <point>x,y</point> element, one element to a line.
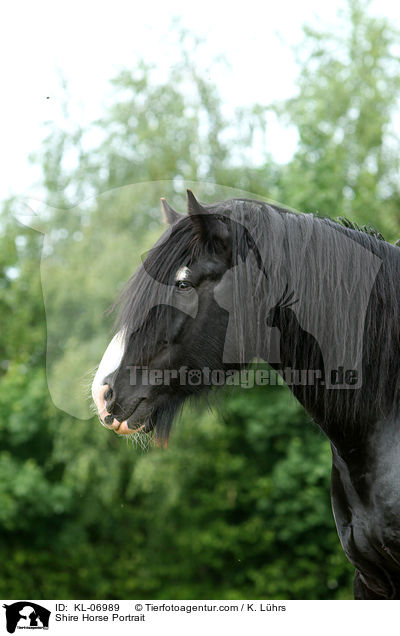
<point>170,324</point>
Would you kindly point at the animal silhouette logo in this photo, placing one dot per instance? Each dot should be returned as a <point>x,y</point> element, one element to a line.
<point>25,614</point>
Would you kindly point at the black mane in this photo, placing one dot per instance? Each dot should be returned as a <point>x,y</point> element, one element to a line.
<point>300,292</point>
<point>287,240</point>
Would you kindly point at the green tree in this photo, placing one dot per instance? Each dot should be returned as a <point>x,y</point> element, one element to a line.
<point>239,504</point>
<point>347,161</point>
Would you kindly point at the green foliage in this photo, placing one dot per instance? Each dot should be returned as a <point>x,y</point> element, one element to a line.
<point>347,161</point>
<point>238,506</point>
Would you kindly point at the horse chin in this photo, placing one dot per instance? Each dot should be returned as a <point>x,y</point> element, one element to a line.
<point>132,426</point>
<point>139,425</point>
<point>139,421</point>
<point>147,418</point>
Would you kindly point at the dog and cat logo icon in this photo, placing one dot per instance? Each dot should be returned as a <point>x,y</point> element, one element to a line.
<point>26,615</point>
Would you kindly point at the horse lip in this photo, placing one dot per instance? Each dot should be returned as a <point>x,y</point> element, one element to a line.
<point>146,426</point>
<point>117,423</point>
<point>129,420</point>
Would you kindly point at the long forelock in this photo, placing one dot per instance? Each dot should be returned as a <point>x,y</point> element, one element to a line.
<point>177,247</point>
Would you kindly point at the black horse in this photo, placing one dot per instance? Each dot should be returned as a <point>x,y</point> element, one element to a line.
<point>213,295</point>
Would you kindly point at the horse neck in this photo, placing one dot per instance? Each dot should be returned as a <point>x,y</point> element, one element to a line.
<point>346,320</point>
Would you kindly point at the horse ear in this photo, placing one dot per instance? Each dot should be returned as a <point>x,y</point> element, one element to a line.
<point>193,206</point>
<point>201,219</point>
<point>197,214</point>
<point>207,226</point>
<point>170,215</point>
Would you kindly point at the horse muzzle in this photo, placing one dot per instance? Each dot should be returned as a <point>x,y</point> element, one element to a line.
<point>129,425</point>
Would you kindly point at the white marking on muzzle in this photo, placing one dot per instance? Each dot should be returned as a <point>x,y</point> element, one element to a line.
<point>109,362</point>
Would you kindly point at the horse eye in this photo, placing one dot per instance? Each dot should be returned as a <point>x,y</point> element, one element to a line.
<point>183,284</point>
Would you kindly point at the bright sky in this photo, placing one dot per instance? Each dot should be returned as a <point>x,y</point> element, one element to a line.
<point>88,42</point>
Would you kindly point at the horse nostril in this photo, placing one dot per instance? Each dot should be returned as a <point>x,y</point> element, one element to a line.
<point>108,394</point>
<point>109,419</point>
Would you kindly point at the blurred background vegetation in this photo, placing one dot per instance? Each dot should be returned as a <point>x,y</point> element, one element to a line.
<point>238,506</point>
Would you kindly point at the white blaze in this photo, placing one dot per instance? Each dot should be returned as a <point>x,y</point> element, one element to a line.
<point>109,362</point>
<point>182,273</point>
